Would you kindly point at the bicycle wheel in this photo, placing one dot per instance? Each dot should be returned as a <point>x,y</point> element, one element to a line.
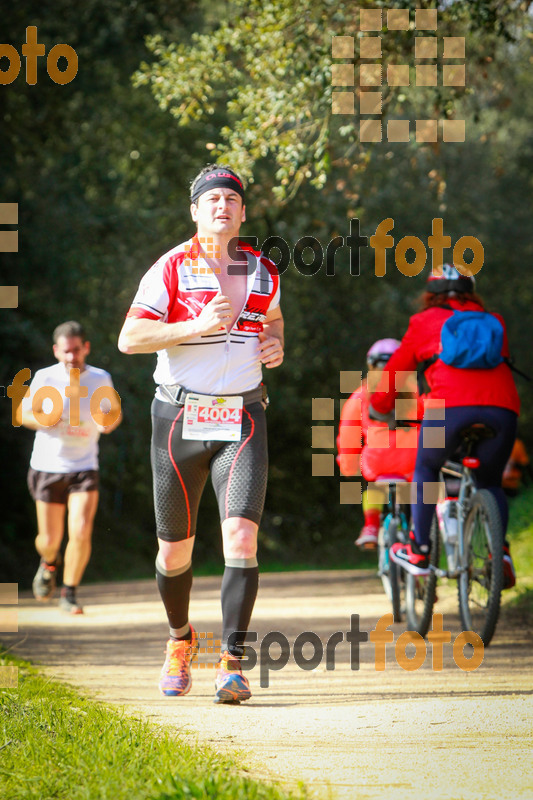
<point>389,571</point>
<point>480,585</point>
<point>420,592</point>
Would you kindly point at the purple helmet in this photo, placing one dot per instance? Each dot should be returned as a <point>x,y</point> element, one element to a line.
<point>450,281</point>
<point>381,351</point>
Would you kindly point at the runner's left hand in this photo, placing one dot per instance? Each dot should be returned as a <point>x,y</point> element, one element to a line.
<point>270,350</point>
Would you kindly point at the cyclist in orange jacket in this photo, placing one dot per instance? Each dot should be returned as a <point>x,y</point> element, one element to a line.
<point>367,447</point>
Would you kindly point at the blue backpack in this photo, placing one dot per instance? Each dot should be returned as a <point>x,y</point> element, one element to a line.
<point>471,340</point>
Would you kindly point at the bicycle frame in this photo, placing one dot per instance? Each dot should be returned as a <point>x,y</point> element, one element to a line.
<point>392,509</point>
<point>393,528</point>
<point>474,554</point>
<point>467,489</point>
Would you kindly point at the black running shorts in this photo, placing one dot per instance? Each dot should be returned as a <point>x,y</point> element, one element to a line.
<point>55,487</point>
<point>180,468</point>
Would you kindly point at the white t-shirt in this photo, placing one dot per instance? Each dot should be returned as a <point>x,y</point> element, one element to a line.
<point>64,447</point>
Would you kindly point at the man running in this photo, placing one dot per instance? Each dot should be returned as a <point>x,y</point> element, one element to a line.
<point>63,471</point>
<point>212,323</point>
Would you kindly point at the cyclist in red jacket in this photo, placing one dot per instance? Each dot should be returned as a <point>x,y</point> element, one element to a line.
<point>460,397</point>
<point>366,447</point>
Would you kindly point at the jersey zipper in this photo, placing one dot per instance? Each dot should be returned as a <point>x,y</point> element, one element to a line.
<point>223,368</point>
<point>250,279</point>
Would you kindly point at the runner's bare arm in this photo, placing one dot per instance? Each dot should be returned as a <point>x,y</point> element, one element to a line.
<point>271,339</point>
<point>149,335</point>
<point>29,421</point>
<point>110,428</point>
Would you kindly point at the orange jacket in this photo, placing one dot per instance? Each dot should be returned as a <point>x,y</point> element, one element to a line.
<point>512,474</point>
<point>368,447</point>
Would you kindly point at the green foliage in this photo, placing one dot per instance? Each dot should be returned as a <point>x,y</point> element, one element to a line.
<point>56,743</point>
<point>265,65</point>
<point>520,535</point>
<point>268,66</point>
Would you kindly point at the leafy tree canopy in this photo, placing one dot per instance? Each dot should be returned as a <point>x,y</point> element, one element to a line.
<point>267,65</point>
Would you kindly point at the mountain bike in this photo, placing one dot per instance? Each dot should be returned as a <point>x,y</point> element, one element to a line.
<point>472,537</point>
<point>394,528</point>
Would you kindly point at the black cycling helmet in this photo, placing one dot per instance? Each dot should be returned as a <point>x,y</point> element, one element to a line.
<point>451,280</point>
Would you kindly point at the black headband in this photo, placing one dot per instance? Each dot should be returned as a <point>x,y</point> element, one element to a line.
<point>217,179</point>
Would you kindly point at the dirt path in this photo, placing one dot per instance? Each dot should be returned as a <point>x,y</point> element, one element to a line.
<point>354,734</point>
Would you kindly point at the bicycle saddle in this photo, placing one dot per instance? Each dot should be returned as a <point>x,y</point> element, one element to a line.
<point>391,478</point>
<point>477,432</point>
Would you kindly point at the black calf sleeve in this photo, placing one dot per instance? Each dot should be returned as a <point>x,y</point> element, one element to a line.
<point>175,591</point>
<point>238,593</point>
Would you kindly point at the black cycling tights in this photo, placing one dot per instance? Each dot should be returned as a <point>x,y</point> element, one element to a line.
<point>493,454</point>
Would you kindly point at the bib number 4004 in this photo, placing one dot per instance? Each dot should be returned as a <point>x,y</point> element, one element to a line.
<point>208,418</point>
<point>217,414</point>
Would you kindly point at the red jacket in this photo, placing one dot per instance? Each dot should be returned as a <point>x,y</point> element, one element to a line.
<point>369,444</point>
<point>454,386</point>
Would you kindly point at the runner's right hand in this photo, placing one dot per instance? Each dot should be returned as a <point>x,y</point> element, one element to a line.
<point>215,315</point>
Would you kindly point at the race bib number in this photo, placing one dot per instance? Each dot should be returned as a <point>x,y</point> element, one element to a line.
<point>208,417</point>
<point>77,435</point>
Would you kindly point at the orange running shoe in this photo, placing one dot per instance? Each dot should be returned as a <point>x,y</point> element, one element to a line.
<point>230,684</point>
<point>175,677</point>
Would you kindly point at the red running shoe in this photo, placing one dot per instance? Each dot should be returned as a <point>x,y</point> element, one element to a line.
<point>368,538</point>
<point>509,574</point>
<point>409,557</point>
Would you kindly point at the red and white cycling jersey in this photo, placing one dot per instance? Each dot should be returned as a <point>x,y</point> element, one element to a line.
<point>176,288</point>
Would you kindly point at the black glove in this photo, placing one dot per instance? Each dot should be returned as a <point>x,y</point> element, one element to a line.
<point>389,417</point>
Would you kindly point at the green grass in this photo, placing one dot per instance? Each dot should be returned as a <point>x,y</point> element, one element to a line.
<point>520,535</point>
<point>55,743</point>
